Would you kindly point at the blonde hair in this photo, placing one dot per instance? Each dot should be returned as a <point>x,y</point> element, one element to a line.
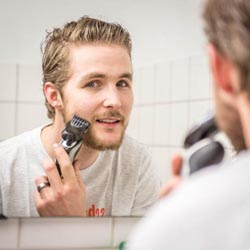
<point>56,47</point>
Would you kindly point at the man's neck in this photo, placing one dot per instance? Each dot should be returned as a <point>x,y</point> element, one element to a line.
<point>52,134</point>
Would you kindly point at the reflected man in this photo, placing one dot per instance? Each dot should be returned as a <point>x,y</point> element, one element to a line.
<point>87,71</point>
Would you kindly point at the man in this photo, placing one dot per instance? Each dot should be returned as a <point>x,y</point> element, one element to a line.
<point>87,71</point>
<point>211,209</point>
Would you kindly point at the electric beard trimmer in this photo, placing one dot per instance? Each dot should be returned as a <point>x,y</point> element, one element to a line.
<point>203,149</point>
<point>72,138</point>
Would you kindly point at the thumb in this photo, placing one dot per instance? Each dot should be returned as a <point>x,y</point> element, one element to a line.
<point>176,165</point>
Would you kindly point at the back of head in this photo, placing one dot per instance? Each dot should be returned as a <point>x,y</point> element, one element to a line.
<point>227,26</point>
<point>86,30</point>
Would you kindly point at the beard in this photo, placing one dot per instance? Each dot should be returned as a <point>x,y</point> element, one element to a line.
<point>91,140</point>
<point>228,121</point>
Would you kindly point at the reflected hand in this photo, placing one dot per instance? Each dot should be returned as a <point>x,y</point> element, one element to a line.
<point>62,197</point>
<point>176,167</point>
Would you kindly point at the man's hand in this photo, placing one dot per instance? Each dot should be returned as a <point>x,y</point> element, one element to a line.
<point>63,197</point>
<point>176,166</point>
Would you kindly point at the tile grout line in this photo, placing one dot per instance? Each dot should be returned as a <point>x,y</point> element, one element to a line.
<point>112,233</point>
<point>19,234</point>
<point>16,98</point>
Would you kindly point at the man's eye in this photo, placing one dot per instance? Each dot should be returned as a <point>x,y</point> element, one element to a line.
<point>91,84</point>
<point>122,84</point>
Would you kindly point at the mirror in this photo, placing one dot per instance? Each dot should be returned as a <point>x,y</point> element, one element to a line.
<point>168,57</point>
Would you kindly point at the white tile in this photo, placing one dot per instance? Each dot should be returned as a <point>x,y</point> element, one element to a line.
<point>199,86</point>
<point>30,83</point>
<point>9,234</point>
<point>146,84</point>
<point>161,125</point>
<point>134,124</point>
<point>122,228</point>
<point>179,79</point>
<point>30,116</point>
<point>146,117</point>
<point>63,233</point>
<point>197,111</point>
<point>161,158</point>
<point>162,82</point>
<point>7,126</point>
<point>8,75</point>
<point>137,86</point>
<point>178,123</point>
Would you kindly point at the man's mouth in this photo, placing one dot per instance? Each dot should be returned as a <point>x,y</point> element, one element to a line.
<point>108,120</point>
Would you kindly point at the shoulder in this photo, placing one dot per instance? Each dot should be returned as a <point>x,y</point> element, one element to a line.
<point>208,203</point>
<point>16,143</point>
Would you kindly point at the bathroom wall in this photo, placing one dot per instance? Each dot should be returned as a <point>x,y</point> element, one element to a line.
<point>65,233</point>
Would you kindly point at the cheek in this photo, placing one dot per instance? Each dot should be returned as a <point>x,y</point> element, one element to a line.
<point>129,103</point>
<point>79,105</point>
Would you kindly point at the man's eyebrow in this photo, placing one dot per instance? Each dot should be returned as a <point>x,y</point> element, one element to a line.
<point>100,75</point>
<point>127,75</point>
<point>93,75</point>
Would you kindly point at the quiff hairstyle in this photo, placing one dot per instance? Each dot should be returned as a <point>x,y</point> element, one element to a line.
<point>56,48</point>
<point>227,26</point>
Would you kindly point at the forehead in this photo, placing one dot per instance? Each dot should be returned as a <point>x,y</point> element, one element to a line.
<point>100,57</point>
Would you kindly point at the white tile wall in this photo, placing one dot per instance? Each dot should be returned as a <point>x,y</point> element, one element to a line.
<point>30,115</point>
<point>146,84</point>
<point>146,119</point>
<point>30,83</point>
<point>161,125</point>
<point>178,123</point>
<point>122,227</point>
<point>199,87</point>
<point>9,234</point>
<point>179,79</point>
<point>65,233</point>
<point>8,125</point>
<point>8,81</point>
<point>197,110</point>
<point>162,82</point>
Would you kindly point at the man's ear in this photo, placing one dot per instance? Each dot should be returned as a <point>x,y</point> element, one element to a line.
<point>221,69</point>
<point>52,95</point>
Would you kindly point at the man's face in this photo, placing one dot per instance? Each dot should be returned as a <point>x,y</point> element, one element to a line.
<point>100,91</point>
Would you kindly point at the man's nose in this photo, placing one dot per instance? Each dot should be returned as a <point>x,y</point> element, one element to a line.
<point>112,98</point>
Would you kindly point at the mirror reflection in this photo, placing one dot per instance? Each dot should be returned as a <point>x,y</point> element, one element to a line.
<point>87,69</point>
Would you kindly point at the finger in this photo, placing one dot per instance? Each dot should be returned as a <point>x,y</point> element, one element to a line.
<point>78,175</point>
<point>38,199</point>
<point>65,164</point>
<point>169,187</point>
<point>52,174</point>
<point>176,165</point>
<point>42,185</point>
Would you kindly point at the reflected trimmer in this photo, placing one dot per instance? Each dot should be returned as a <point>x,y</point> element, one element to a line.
<point>203,149</point>
<point>72,137</point>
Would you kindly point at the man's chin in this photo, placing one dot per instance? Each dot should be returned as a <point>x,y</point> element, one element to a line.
<point>102,144</point>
